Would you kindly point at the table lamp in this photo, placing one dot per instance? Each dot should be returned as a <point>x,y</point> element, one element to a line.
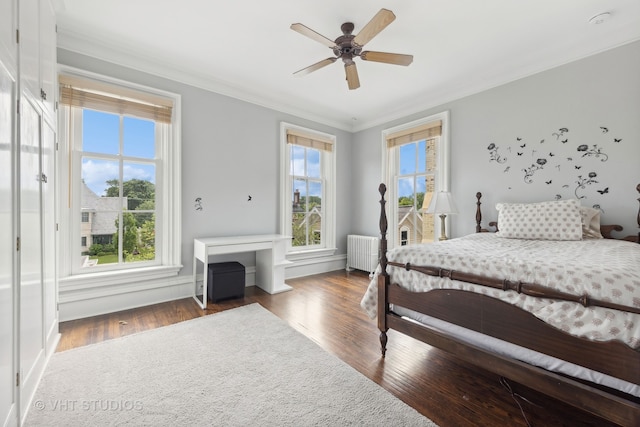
<point>443,205</point>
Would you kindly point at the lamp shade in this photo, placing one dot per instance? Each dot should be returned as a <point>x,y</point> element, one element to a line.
<point>442,203</point>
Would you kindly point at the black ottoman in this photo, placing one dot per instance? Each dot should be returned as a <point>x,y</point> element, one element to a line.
<point>225,280</point>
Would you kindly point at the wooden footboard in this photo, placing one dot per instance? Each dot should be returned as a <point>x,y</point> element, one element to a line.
<point>504,321</point>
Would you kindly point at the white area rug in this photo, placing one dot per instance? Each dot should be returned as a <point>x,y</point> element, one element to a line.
<point>241,367</point>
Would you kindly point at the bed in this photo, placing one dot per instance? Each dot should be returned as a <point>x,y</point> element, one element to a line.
<point>565,323</point>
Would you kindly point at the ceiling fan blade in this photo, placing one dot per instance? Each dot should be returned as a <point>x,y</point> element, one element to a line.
<point>387,58</point>
<point>306,31</point>
<point>352,76</point>
<point>378,23</point>
<point>314,67</point>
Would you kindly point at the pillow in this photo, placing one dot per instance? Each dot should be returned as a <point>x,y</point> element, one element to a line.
<point>557,220</point>
<point>590,223</point>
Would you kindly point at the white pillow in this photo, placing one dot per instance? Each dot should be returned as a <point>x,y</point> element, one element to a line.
<point>590,223</point>
<point>557,220</point>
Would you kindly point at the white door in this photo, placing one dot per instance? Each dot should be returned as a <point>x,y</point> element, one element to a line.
<point>31,292</point>
<point>8,45</point>
<point>8,366</point>
<point>49,233</point>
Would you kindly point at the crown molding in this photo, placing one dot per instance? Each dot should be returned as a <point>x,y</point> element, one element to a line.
<point>115,53</point>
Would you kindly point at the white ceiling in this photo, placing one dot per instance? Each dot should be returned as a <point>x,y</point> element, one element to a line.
<point>245,48</point>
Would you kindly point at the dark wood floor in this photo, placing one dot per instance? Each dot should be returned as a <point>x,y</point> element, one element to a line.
<point>326,309</point>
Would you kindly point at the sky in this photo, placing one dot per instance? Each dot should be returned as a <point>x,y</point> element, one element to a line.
<point>101,135</point>
<point>309,166</point>
<point>412,161</point>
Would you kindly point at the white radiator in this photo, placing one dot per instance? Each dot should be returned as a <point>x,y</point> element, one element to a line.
<point>362,253</point>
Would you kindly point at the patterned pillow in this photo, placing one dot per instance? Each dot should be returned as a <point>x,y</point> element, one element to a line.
<point>558,220</point>
<point>590,223</point>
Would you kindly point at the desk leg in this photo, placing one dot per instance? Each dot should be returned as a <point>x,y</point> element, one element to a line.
<point>203,303</point>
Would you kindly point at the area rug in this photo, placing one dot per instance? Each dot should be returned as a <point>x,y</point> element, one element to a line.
<point>241,367</point>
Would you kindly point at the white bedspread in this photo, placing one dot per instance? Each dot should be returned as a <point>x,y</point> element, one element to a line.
<point>604,269</point>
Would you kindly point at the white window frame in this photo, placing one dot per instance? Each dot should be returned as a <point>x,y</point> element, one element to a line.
<point>390,161</point>
<point>328,167</point>
<point>168,201</point>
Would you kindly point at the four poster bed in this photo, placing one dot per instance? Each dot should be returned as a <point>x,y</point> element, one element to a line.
<point>540,304</point>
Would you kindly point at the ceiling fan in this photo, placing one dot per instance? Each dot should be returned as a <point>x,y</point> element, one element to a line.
<point>348,46</point>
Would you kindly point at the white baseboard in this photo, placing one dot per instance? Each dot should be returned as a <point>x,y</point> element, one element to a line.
<point>78,304</point>
<point>307,267</point>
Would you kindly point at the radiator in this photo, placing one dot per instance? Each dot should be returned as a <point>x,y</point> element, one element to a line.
<point>362,253</point>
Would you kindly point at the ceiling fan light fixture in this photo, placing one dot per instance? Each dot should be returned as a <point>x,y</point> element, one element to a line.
<point>348,46</point>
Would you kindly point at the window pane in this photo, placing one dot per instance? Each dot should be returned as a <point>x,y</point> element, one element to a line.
<point>100,132</point>
<point>139,138</point>
<point>139,237</point>
<point>300,185</point>
<point>314,228</point>
<point>99,234</point>
<point>422,156</point>
<point>313,163</point>
<point>421,185</point>
<point>298,229</point>
<point>138,186</point>
<point>405,191</point>
<point>96,174</point>
<point>315,194</point>
<point>297,160</point>
<point>407,159</point>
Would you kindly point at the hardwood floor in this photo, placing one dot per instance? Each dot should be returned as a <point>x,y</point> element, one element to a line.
<point>326,309</point>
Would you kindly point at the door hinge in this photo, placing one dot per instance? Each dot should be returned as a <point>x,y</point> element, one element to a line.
<point>18,106</point>
<point>17,244</point>
<point>17,379</point>
<point>57,227</point>
<point>17,36</point>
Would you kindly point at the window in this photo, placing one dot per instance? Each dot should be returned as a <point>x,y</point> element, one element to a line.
<point>415,162</point>
<point>404,236</point>
<point>122,174</point>
<point>308,190</point>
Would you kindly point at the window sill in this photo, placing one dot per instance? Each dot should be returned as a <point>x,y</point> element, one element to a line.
<point>114,278</point>
<point>312,253</point>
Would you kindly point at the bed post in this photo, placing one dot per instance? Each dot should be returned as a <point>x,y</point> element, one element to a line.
<point>383,277</point>
<point>478,213</point>
<point>638,219</point>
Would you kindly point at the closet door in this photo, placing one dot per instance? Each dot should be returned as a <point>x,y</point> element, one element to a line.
<point>31,292</point>
<point>29,19</point>
<point>49,232</point>
<point>8,45</point>
<point>8,366</point>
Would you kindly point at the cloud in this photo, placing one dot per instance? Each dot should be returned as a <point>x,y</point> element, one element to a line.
<point>96,173</point>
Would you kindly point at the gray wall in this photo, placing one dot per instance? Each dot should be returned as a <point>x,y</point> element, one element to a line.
<point>230,150</point>
<point>599,91</point>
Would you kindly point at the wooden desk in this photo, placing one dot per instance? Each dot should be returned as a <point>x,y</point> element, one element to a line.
<point>271,259</point>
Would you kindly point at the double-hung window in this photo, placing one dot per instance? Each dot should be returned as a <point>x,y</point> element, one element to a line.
<point>308,190</point>
<point>121,178</point>
<point>416,166</point>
